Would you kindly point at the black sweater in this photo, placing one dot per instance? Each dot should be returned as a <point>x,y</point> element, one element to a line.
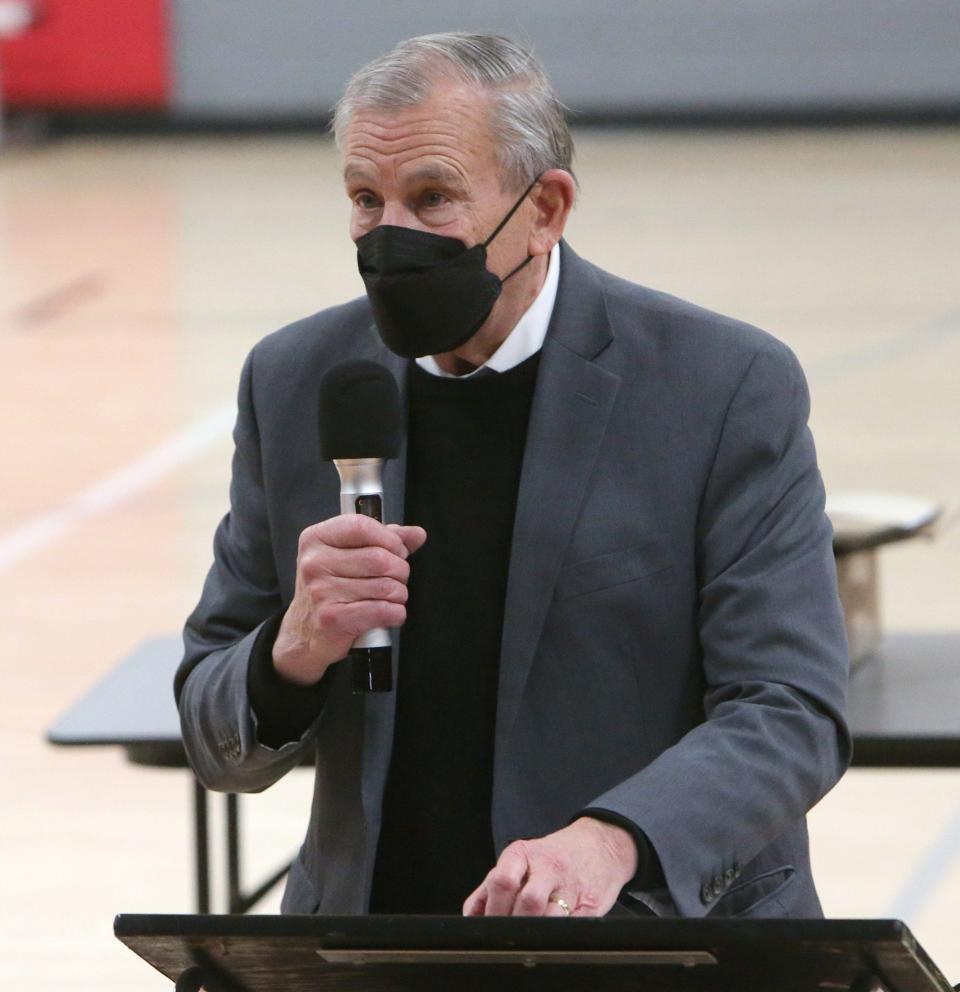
<point>466,444</point>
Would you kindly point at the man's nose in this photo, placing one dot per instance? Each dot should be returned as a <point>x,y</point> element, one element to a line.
<point>398,215</point>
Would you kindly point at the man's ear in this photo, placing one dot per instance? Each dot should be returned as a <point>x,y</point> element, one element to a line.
<point>553,198</point>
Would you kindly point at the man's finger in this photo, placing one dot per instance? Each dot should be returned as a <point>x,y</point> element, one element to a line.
<point>355,530</point>
<point>555,907</point>
<point>412,536</point>
<point>476,902</point>
<point>361,590</point>
<point>358,563</point>
<point>505,880</point>
<point>357,618</point>
<point>533,898</point>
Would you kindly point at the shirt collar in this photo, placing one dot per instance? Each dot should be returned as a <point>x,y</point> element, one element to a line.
<point>527,337</point>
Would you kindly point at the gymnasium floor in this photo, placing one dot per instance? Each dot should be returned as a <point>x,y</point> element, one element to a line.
<point>135,275</point>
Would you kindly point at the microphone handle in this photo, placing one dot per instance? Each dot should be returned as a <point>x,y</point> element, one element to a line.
<point>371,655</point>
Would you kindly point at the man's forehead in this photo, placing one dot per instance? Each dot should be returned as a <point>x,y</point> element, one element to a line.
<point>434,136</point>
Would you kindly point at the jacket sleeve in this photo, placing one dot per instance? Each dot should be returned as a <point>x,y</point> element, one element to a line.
<point>240,595</point>
<point>773,645</point>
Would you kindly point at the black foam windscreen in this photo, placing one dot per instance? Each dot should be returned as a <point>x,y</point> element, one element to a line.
<point>359,411</point>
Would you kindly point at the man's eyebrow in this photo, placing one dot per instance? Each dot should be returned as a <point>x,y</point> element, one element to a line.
<point>420,176</point>
<point>355,172</point>
<point>438,174</point>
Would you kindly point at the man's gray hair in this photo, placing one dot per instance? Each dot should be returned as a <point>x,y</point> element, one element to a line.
<point>527,119</point>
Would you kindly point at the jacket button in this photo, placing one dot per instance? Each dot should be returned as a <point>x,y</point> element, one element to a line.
<point>728,876</point>
<point>706,894</point>
<point>717,886</point>
<point>736,869</point>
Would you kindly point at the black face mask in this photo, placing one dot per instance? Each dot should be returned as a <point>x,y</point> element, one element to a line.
<point>429,293</point>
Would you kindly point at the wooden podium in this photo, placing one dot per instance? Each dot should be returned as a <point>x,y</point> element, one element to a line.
<point>452,954</point>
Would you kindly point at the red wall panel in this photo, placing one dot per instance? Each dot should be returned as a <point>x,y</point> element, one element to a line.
<point>89,54</point>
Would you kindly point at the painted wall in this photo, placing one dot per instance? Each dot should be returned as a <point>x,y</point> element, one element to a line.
<point>260,59</point>
<point>90,54</point>
<point>254,59</point>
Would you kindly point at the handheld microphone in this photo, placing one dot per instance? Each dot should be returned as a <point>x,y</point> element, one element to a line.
<point>359,430</point>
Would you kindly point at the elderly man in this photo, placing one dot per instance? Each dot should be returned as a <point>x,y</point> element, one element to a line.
<point>621,663</point>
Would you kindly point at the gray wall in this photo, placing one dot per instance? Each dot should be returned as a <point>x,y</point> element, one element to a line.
<point>257,58</point>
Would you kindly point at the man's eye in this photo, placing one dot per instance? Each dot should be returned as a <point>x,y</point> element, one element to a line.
<point>365,200</point>
<point>434,199</point>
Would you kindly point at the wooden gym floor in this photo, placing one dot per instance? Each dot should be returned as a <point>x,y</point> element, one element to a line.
<point>135,275</point>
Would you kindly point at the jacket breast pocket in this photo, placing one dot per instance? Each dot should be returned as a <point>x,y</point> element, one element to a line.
<point>611,569</point>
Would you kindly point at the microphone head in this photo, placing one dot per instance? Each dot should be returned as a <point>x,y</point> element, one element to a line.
<point>359,411</point>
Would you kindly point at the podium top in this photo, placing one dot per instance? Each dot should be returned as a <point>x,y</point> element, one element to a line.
<point>438,954</point>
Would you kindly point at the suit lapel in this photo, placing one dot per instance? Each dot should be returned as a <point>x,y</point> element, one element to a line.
<point>571,408</point>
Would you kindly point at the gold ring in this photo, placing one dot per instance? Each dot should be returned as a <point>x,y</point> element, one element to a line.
<point>563,904</point>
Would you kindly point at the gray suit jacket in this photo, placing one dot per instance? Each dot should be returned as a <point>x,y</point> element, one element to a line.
<point>673,648</point>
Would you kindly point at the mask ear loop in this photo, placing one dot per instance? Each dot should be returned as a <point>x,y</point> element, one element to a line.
<point>513,272</point>
<point>510,213</point>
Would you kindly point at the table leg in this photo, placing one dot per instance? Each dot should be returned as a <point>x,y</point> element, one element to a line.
<point>202,850</point>
<point>239,901</point>
<point>234,896</point>
<point>190,981</point>
<point>206,976</point>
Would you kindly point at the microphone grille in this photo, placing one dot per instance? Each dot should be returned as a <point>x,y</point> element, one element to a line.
<point>359,411</point>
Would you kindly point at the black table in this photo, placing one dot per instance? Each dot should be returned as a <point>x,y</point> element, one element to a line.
<point>904,712</point>
<point>132,707</point>
<point>905,703</point>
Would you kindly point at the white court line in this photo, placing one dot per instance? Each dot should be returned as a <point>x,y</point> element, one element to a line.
<point>110,492</point>
<point>928,873</point>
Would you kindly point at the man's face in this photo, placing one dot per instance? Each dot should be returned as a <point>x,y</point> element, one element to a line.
<point>432,167</point>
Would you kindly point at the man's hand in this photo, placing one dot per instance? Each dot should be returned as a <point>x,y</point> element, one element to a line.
<point>351,577</point>
<point>586,865</point>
